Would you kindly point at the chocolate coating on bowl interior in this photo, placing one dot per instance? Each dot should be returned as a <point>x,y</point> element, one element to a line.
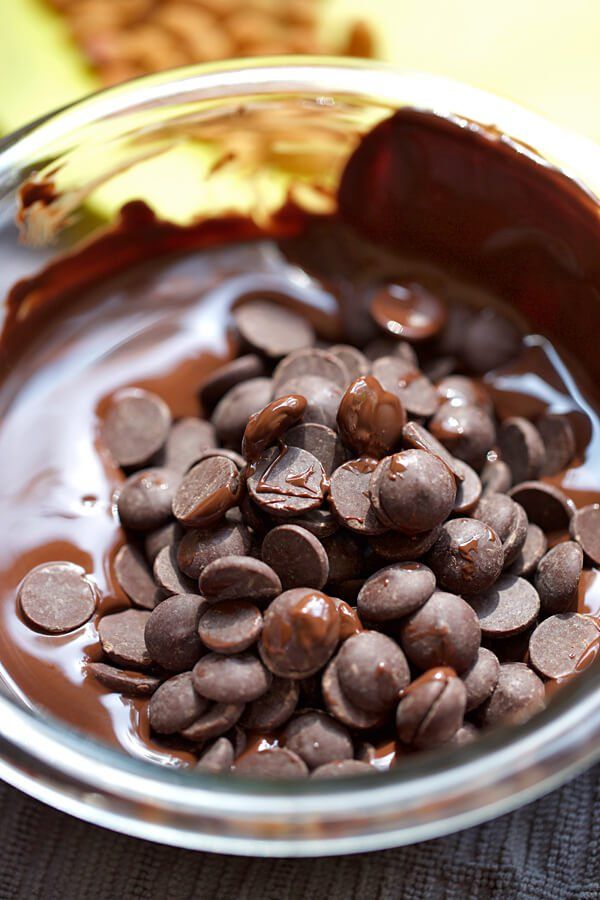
<point>511,605</point>
<point>271,328</point>
<point>564,644</point>
<point>57,597</point>
<point>545,504</point>
<point>412,491</point>
<point>175,705</point>
<point>221,380</point>
<point>171,632</point>
<point>274,708</point>
<point>232,412</point>
<point>312,361</point>
<point>522,448</point>
<point>231,679</point>
<point>341,706</point>
<point>135,578</point>
<point>349,496</point>
<point>481,678</point>
<point>287,481</point>
<point>518,695</point>
<point>135,426</point>
<point>130,684</point>
<point>557,577</point>
<point>431,709</point>
<point>199,547</point>
<point>467,557</point>
<point>239,578</point>
<point>372,670</point>
<point>297,556</point>
<point>209,489</point>
<point>300,633</point>
<point>317,738</point>
<point>395,591</point>
<point>408,311</point>
<point>122,638</point>
<point>467,431</point>
<point>370,419</point>
<point>585,529</point>
<point>230,626</point>
<point>274,762</point>
<point>186,441</point>
<point>145,499</point>
<point>267,427</point>
<point>445,631</point>
<point>321,441</point>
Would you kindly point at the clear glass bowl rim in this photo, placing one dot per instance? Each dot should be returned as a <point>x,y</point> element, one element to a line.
<point>423,798</point>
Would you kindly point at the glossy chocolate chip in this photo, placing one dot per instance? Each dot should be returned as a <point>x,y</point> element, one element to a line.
<point>417,437</point>
<point>468,490</point>
<point>321,441</point>
<point>496,477</point>
<point>519,694</point>
<point>230,626</point>
<point>135,578</point>
<point>136,426</point>
<point>341,706</point>
<point>231,679</point>
<point>287,482</point>
<point>585,529</point>
<point>344,552</point>
<point>217,758</point>
<point>534,547</point>
<point>274,708</point>
<point>57,597</point>
<point>557,577</point>
<point>130,684</point>
<point>521,448</point>
<point>171,632</point>
<point>395,547</point>
<point>517,536</point>
<point>274,762</point>
<point>218,719</point>
<point>545,504</point>
<point>175,705</point>
<point>297,556</point>
<point>300,633</point>
<point>271,328</point>
<point>370,419</point>
<point>395,591</point>
<point>168,575</point>
<point>466,734</point>
<point>481,678</point>
<point>431,709</point>
<point>408,311</point>
<point>349,496</point>
<point>232,412</point>
<point>445,631</point>
<point>511,605</point>
<point>187,439</point>
<point>320,522</point>
<point>499,512</point>
<point>414,390</point>
<point>390,346</point>
<point>559,442</point>
<point>350,623</point>
<point>355,361</point>
<point>564,644</point>
<point>322,397</point>
<point>268,426</point>
<point>317,738</point>
<point>209,489</point>
<point>461,390</point>
<point>145,499</point>
<point>199,547</point>
<point>122,638</point>
<point>312,361</point>
<point>490,340</point>
<point>239,578</point>
<point>412,491</point>
<point>221,380</point>
<point>467,557</point>
<point>343,768</point>
<point>468,432</point>
<point>372,670</point>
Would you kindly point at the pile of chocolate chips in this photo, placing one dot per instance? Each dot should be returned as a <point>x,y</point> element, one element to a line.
<point>343,553</point>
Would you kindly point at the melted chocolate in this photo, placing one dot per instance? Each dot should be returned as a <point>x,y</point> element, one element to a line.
<point>268,426</point>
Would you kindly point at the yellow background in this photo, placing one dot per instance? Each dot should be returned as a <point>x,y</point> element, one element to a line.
<point>543,53</point>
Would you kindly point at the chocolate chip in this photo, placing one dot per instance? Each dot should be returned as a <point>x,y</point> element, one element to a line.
<point>468,432</point>
<point>412,491</point>
<point>208,490</point>
<point>130,684</point>
<point>310,362</point>
<point>297,556</point>
<point>466,734</point>
<point>228,376</point>
<point>563,644</point>
<point>343,768</point>
<point>171,632</point>
<point>175,705</point>
<point>235,408</point>
<point>531,552</point>
<point>508,607</point>
<point>350,624</point>
<point>395,547</point>
<point>389,346</point>
<point>439,367</point>
<point>135,578</point>
<point>431,709</point>
<point>452,338</point>
<point>268,426</point>
<point>300,632</point>
<point>481,678</point>
<point>495,476</point>
<point>517,536</point>
<point>468,490</point>
<point>557,577</point>
<point>344,552</point>
<point>57,597</point>
<point>370,419</point>
<point>319,440</point>
<point>417,437</point>
<point>559,442</point>
<point>236,458</point>
<point>445,631</point>
<point>272,329</point>
<point>168,575</point>
<point>322,397</point>
<point>499,512</point>
<point>463,391</point>
<point>239,578</point>
<point>341,706</point>
<point>136,426</point>
<point>274,708</point>
<point>154,541</point>
<point>356,363</point>
<point>545,505</point>
<point>395,591</point>
<point>274,762</point>
<point>518,695</point>
<point>217,719</point>
<point>585,529</point>
<point>217,758</point>
<point>372,670</point>
<point>317,739</point>
<point>230,626</point>
<point>414,391</point>
<point>287,482</point>
<point>122,637</point>
<point>199,547</point>
<point>349,496</point>
<point>319,522</point>
<point>144,501</point>
<point>231,679</point>
<point>522,448</point>
<point>408,311</point>
<point>186,440</point>
<point>490,340</point>
<point>467,557</point>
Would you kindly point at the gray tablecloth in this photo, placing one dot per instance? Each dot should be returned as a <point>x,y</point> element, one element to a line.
<point>549,850</point>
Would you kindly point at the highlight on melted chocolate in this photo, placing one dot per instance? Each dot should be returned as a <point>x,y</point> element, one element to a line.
<point>336,518</point>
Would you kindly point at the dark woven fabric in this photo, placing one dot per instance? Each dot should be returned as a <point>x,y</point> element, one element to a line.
<point>549,850</point>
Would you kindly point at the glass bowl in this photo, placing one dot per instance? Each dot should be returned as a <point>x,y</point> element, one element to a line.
<point>243,136</point>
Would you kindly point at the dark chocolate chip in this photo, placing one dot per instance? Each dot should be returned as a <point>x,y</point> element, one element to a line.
<point>496,477</point>
<point>57,597</point>
<point>349,496</point>
<point>416,437</point>
<point>412,491</point>
<point>274,762</point>
<point>235,408</point>
<point>122,637</point>
<point>466,734</point>
<point>467,431</point>
<point>136,426</point>
<point>320,522</point>
<point>271,328</point>
<point>531,552</point>
<point>395,547</point>
<point>319,440</point>
<point>499,512</point>
<point>490,340</point>
<point>322,397</point>
<point>135,578</point>
<point>395,591</point>
<point>217,758</point>
<point>372,670</point>
<point>481,678</point>
<point>585,529</point>
<point>154,541</point>
<point>461,390</point>
<point>226,377</point>
<point>468,490</point>
<point>310,362</point>
<point>187,439</point>
<point>545,504</point>
<point>344,552</point>
<point>467,557</point>
<point>557,577</point>
<point>389,346</point>
<point>175,705</point>
<point>300,633</point>
<point>267,427</point>
<point>168,575</point>
<point>355,361</point>
<point>408,311</point>
<point>144,501</point>
<point>231,679</point>
<point>341,706</point>
<point>317,738</point>
<point>519,694</point>
<point>171,632</point>
<point>445,631</point>
<point>370,418</point>
<point>452,338</point>
<point>343,768</point>
<point>239,578</point>
<point>130,684</point>
<point>522,448</point>
<point>230,626</point>
<point>517,536</point>
<point>431,709</point>
<point>511,605</point>
<point>287,481</point>
<point>297,556</point>
<point>208,490</point>
<point>218,719</point>
<point>274,708</point>
<point>559,442</point>
<point>414,390</point>
<point>564,644</point>
<point>198,547</point>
